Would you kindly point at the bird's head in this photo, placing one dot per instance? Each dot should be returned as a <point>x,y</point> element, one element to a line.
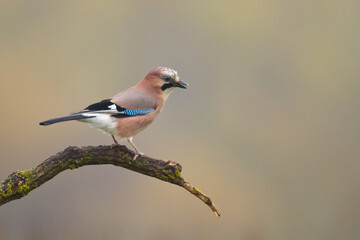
<point>165,80</point>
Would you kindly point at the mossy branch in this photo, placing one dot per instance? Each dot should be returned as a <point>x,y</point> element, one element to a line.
<point>20,183</point>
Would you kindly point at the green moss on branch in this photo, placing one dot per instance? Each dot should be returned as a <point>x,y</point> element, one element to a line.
<point>20,183</point>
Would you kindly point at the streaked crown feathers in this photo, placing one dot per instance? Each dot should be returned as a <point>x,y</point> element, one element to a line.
<point>164,73</point>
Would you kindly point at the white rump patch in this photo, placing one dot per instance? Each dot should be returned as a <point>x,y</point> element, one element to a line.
<point>101,121</point>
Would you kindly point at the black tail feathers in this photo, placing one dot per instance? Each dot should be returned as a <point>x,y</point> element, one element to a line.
<point>63,119</point>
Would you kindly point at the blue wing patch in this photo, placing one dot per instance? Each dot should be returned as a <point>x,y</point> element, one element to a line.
<point>123,112</point>
<point>135,112</point>
<point>132,113</point>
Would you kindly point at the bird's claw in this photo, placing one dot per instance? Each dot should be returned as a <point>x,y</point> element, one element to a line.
<point>137,154</point>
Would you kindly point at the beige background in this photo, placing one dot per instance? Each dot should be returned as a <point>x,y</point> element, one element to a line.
<point>269,127</point>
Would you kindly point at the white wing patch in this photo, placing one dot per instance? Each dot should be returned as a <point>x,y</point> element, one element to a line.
<point>112,107</point>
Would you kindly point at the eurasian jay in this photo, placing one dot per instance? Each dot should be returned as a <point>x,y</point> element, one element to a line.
<point>132,110</point>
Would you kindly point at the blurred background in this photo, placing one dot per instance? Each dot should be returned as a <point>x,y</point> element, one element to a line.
<point>269,127</point>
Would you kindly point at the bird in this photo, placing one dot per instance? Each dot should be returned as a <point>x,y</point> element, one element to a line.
<point>129,112</point>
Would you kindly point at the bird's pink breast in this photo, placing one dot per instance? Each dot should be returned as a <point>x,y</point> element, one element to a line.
<point>130,126</point>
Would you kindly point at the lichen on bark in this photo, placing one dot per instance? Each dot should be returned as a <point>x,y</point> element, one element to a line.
<point>20,183</point>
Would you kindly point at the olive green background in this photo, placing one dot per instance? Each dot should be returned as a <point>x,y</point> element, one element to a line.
<point>269,127</point>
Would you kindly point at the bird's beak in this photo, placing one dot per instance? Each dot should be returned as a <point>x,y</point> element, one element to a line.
<point>181,84</point>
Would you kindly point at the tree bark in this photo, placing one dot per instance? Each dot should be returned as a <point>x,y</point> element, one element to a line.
<point>20,183</point>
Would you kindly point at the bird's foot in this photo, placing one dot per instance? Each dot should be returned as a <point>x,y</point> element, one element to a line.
<point>138,153</point>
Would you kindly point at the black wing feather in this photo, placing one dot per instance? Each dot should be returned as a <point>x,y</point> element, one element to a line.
<point>103,105</point>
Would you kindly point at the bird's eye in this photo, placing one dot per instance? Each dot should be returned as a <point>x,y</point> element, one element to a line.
<point>167,78</point>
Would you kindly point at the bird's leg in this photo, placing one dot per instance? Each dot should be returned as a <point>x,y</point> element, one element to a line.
<point>137,151</point>
<point>115,141</point>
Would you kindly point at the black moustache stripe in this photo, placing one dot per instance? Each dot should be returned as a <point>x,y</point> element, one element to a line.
<point>166,86</point>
